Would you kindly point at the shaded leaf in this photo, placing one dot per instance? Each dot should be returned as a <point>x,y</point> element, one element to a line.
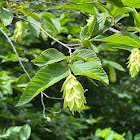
<point>129,136</point>
<point>56,23</point>
<point>88,44</point>
<point>47,15</point>
<point>34,29</point>
<point>6,17</point>
<point>25,132</point>
<point>99,23</point>
<point>113,64</point>
<point>137,136</point>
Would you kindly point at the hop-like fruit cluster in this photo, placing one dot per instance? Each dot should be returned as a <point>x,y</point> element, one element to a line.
<point>134,62</point>
<point>19,30</point>
<point>73,94</point>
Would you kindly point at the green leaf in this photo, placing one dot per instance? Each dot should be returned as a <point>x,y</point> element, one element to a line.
<point>88,8</point>
<point>25,132</point>
<point>137,20</point>
<point>48,56</point>
<point>133,36</point>
<point>118,3</point>
<point>113,64</point>
<point>6,18</point>
<point>91,69</point>
<point>105,132</point>
<point>4,135</point>
<point>117,39</point>
<point>107,47</point>
<point>56,23</point>
<point>99,23</point>
<point>137,136</point>
<point>47,15</point>
<point>46,77</point>
<point>98,132</point>
<point>83,33</point>
<point>132,3</point>
<point>133,29</point>
<point>115,11</point>
<point>109,22</point>
<point>110,135</point>
<point>87,30</point>
<point>88,44</point>
<point>86,55</point>
<point>129,136</point>
<point>34,29</point>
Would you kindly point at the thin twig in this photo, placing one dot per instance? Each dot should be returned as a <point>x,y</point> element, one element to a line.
<point>113,30</point>
<point>22,63</point>
<point>51,97</point>
<point>46,129</point>
<point>113,20</point>
<point>45,32</point>
<point>16,53</point>
<point>44,108</point>
<point>82,3</point>
<point>72,45</point>
<point>92,81</point>
<point>135,10</point>
<point>42,93</point>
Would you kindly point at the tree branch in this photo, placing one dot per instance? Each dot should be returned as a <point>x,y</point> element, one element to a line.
<point>42,93</point>
<point>16,53</point>
<point>44,32</point>
<point>113,30</point>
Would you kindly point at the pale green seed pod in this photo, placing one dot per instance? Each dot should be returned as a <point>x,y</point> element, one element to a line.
<point>19,31</point>
<point>134,62</point>
<point>44,36</point>
<point>73,94</point>
<point>112,74</point>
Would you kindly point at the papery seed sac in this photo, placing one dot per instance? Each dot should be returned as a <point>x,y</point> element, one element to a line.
<point>134,62</point>
<point>73,94</point>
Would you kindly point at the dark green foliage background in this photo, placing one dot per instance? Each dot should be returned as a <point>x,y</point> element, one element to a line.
<point>116,105</point>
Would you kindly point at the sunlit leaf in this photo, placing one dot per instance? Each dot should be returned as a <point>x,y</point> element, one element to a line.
<point>46,77</point>
<point>91,69</point>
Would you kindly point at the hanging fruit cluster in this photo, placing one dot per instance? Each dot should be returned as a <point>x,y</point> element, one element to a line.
<point>73,94</point>
<point>134,62</point>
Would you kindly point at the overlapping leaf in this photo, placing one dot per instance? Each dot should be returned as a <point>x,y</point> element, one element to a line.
<point>90,69</point>
<point>6,17</point>
<point>34,29</point>
<point>118,3</point>
<point>88,44</point>
<point>99,23</point>
<point>48,56</point>
<point>107,47</point>
<point>46,77</point>
<point>86,55</point>
<point>132,3</point>
<point>88,8</point>
<point>118,39</point>
<point>113,64</point>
